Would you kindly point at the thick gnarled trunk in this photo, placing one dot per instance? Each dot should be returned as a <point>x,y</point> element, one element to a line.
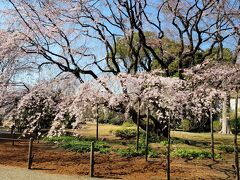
<point>158,128</point>
<point>225,121</point>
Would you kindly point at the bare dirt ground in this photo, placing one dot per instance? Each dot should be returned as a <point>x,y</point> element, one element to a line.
<point>50,159</point>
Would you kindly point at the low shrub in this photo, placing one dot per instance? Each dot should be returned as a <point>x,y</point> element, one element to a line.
<point>126,133</point>
<point>164,143</point>
<point>186,125</point>
<point>128,124</point>
<point>102,119</point>
<point>116,120</point>
<point>226,148</point>
<point>192,153</point>
<point>130,132</point>
<point>79,145</point>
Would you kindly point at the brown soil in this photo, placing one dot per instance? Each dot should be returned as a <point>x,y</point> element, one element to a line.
<point>49,158</point>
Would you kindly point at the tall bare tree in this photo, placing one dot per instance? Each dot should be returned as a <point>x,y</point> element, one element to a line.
<point>82,37</point>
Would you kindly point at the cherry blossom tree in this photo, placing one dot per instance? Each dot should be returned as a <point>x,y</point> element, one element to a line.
<point>10,56</point>
<point>203,90</point>
<point>35,110</point>
<point>121,93</point>
<point>193,98</point>
<point>11,65</point>
<point>224,77</point>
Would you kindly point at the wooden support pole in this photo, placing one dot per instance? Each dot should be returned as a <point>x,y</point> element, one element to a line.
<point>30,157</point>
<point>13,138</point>
<point>147,134</point>
<point>97,118</point>
<point>92,160</point>
<point>212,135</point>
<point>168,149</point>
<point>12,134</point>
<point>138,123</point>
<point>235,138</point>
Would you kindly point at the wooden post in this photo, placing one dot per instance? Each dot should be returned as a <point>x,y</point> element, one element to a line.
<point>168,149</point>
<point>235,137</point>
<point>147,134</point>
<point>12,134</point>
<point>13,138</point>
<point>30,157</point>
<point>212,135</point>
<point>138,122</point>
<point>97,124</point>
<point>92,160</point>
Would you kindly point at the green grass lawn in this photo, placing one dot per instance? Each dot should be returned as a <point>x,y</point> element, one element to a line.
<point>205,137</point>
<point>104,130</point>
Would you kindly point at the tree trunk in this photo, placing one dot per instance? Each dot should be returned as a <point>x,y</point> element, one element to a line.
<point>226,129</point>
<point>157,128</point>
